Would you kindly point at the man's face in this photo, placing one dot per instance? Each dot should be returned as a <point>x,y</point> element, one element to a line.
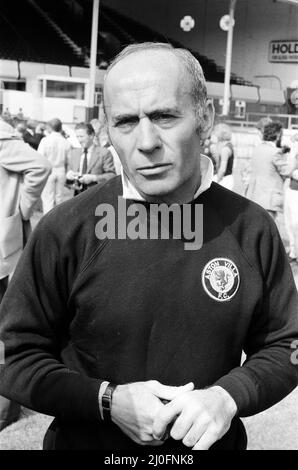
<point>84,138</point>
<point>153,126</point>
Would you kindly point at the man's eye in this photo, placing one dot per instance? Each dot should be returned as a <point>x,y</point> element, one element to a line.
<point>163,118</point>
<point>126,122</point>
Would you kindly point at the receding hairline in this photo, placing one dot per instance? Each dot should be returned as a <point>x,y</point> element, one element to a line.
<point>137,64</point>
<point>130,53</point>
<point>188,63</point>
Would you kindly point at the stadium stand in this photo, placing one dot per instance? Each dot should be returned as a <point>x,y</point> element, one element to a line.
<point>26,35</point>
<point>59,33</point>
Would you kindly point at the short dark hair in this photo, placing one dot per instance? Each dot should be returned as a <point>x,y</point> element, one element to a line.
<point>87,126</point>
<point>55,124</point>
<point>271,131</point>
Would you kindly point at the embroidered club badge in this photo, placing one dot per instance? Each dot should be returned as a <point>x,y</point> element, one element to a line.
<point>220,279</point>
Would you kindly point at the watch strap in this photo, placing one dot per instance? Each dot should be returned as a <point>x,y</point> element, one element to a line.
<point>106,401</point>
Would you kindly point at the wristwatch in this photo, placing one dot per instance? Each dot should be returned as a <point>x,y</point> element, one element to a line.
<point>106,401</point>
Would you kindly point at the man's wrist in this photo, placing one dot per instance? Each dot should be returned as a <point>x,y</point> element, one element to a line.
<point>105,396</point>
<point>101,391</point>
<point>229,400</point>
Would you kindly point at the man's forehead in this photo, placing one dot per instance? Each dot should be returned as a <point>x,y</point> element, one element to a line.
<point>143,75</point>
<point>143,66</point>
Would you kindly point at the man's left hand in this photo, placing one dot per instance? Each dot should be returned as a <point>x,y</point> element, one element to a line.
<point>201,417</point>
<point>87,179</point>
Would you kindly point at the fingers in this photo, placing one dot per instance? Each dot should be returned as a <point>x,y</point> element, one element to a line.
<point>168,392</point>
<point>206,441</point>
<point>195,433</point>
<point>165,417</point>
<point>170,411</point>
<point>182,426</point>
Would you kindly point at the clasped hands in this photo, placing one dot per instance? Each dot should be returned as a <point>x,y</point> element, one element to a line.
<point>145,410</point>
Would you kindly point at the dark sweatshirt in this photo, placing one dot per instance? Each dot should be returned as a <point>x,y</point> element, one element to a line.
<point>80,310</point>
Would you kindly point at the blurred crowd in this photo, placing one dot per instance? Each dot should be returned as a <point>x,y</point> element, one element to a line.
<point>79,157</point>
<point>270,176</point>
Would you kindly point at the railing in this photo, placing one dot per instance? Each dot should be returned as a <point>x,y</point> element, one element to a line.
<point>289,121</point>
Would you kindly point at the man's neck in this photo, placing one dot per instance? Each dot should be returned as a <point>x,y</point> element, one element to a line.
<point>182,195</point>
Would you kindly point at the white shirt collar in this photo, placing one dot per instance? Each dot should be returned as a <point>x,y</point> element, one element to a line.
<point>130,192</point>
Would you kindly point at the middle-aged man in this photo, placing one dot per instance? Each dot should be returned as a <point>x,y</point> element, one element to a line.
<point>90,164</point>
<point>137,340</point>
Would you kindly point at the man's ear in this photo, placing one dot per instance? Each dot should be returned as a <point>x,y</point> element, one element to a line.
<point>207,120</point>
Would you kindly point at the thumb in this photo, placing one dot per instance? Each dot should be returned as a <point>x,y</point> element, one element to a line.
<point>168,392</point>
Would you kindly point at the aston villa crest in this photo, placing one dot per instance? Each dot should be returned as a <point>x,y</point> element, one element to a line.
<point>220,279</point>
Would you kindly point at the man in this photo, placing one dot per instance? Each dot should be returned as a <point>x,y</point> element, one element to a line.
<point>137,340</point>
<point>266,184</point>
<point>102,140</point>
<point>56,149</point>
<point>93,165</point>
<point>225,155</point>
<point>23,174</point>
<point>289,170</point>
<point>33,134</point>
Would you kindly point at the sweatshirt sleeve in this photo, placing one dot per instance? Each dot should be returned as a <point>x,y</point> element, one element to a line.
<point>34,321</point>
<point>270,371</point>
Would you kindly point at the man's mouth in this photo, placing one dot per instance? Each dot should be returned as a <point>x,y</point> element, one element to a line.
<point>155,169</point>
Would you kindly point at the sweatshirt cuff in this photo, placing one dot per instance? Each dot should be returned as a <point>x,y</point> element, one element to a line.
<point>242,389</point>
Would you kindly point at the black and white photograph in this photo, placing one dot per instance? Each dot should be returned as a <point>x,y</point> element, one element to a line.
<point>148,227</point>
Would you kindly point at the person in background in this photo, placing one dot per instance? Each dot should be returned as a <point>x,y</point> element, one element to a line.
<point>20,114</point>
<point>23,174</point>
<point>208,151</point>
<point>20,130</point>
<point>224,155</point>
<point>289,170</point>
<point>101,139</point>
<point>95,123</point>
<point>33,133</point>
<point>260,128</point>
<point>6,116</point>
<point>257,140</point>
<point>56,149</point>
<point>89,165</point>
<point>266,183</point>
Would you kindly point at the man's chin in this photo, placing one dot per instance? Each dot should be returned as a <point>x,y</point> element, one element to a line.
<point>156,193</point>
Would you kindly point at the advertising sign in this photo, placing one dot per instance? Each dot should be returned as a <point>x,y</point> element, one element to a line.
<point>283,51</point>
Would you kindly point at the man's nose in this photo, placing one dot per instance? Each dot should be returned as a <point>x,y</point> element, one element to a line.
<point>148,138</point>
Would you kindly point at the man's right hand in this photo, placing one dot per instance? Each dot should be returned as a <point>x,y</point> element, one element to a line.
<point>71,175</point>
<point>135,405</point>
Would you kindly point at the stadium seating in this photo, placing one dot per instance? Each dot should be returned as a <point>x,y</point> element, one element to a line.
<point>25,35</point>
<point>59,32</point>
